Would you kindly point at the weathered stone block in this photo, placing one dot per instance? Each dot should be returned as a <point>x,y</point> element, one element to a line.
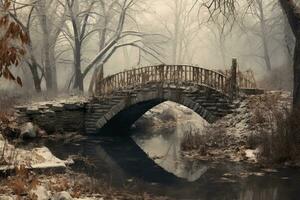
<point>57,107</point>
<point>32,110</point>
<point>101,122</point>
<point>70,106</point>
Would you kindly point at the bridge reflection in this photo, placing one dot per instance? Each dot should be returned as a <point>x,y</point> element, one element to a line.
<point>119,158</point>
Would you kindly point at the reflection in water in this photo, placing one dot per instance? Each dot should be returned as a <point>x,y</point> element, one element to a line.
<point>163,144</point>
<point>251,194</point>
<point>120,159</point>
<point>166,153</point>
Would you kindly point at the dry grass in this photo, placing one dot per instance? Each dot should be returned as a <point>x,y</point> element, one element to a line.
<point>3,149</point>
<point>210,138</point>
<point>279,143</point>
<point>275,130</point>
<point>23,182</point>
<point>76,184</point>
<point>193,141</point>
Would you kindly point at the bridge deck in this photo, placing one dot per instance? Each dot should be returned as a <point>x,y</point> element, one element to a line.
<point>177,75</point>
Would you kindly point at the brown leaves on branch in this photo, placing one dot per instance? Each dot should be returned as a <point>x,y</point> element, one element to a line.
<point>12,44</point>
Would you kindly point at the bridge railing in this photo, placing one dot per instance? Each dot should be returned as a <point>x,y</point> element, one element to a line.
<point>244,79</point>
<point>177,75</point>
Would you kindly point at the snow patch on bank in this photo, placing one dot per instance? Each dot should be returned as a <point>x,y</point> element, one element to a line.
<point>37,158</point>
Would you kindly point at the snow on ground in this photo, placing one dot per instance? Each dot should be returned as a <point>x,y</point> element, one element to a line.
<point>37,158</point>
<point>228,137</point>
<point>177,115</point>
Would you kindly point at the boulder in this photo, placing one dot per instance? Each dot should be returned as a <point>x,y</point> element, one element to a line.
<point>28,131</point>
<point>4,197</point>
<point>40,193</point>
<point>62,196</point>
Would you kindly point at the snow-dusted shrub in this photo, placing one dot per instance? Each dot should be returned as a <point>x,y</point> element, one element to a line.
<point>168,115</point>
<point>274,129</point>
<point>278,138</point>
<point>193,141</point>
<point>209,137</point>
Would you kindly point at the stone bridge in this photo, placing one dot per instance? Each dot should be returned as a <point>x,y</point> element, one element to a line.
<point>119,100</point>
<point>123,98</point>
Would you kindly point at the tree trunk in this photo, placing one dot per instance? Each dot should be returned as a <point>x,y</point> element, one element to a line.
<point>78,84</point>
<point>53,67</point>
<point>289,42</point>
<point>46,45</point>
<point>266,54</point>
<point>102,40</point>
<point>264,36</point>
<point>93,80</point>
<point>292,12</point>
<point>35,76</point>
<point>100,76</point>
<point>296,95</point>
<point>77,68</point>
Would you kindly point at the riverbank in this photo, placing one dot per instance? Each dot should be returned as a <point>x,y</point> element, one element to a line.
<point>29,170</point>
<point>68,186</point>
<point>256,132</point>
<point>241,137</point>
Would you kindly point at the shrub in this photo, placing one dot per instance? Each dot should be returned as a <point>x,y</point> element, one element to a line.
<point>23,181</point>
<point>192,140</point>
<point>276,130</point>
<point>168,115</point>
<point>280,143</point>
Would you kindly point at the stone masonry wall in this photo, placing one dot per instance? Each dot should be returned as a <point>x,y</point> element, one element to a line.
<point>55,116</point>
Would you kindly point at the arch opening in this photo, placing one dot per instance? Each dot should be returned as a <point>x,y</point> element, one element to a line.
<point>121,110</point>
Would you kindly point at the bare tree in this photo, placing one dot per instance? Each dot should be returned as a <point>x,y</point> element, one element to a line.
<point>181,29</point>
<point>79,13</point>
<point>220,33</point>
<point>50,21</point>
<point>113,36</point>
<point>25,23</point>
<point>292,10</point>
<point>263,17</point>
<point>35,17</point>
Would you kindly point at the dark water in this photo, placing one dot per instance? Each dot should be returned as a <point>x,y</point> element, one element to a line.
<point>125,162</point>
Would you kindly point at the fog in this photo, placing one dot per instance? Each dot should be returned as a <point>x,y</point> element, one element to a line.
<point>140,98</point>
<point>165,31</point>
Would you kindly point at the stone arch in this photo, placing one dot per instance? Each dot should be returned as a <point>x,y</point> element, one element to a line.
<point>132,106</point>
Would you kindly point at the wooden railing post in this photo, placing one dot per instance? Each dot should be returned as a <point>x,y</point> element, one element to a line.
<point>233,79</point>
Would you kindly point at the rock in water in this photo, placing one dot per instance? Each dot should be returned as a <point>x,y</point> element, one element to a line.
<point>62,196</point>
<point>28,131</point>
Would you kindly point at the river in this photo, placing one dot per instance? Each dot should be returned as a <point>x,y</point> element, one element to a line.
<point>151,161</point>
